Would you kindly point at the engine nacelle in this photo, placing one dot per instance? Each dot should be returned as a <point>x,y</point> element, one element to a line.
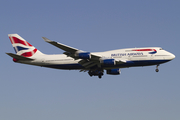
<point>108,61</point>
<point>83,55</point>
<point>113,71</point>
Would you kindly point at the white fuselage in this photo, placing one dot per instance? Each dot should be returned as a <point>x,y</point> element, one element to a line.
<point>132,56</point>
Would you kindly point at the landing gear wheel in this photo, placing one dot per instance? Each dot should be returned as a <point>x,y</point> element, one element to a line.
<point>99,76</point>
<point>157,70</point>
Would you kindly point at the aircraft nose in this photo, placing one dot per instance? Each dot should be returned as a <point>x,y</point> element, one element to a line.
<point>172,56</point>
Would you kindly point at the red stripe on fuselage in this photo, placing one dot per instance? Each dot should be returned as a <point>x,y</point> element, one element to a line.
<point>144,50</point>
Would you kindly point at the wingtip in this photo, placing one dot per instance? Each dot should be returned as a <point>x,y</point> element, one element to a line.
<point>46,39</point>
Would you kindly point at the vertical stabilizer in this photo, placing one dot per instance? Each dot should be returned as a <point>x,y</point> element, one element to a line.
<point>22,47</point>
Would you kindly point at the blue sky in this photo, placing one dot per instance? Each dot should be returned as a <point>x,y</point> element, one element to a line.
<point>30,92</point>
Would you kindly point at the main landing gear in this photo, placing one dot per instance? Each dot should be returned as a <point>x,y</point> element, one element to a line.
<point>157,70</point>
<point>98,73</point>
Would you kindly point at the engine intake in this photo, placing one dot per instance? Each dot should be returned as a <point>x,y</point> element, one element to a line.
<point>113,71</point>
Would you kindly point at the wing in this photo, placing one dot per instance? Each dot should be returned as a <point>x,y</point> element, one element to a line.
<point>61,46</point>
<point>88,60</point>
<point>70,51</point>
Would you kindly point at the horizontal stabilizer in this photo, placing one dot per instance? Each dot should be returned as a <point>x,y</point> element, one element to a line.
<point>18,57</point>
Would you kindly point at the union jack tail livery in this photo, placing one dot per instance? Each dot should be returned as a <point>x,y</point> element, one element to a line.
<point>22,47</point>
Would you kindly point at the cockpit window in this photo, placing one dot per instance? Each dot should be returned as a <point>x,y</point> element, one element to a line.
<point>160,49</point>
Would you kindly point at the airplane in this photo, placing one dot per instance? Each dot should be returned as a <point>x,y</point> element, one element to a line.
<point>92,62</point>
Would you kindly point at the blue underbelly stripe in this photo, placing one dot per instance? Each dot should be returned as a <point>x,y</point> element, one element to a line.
<point>127,64</point>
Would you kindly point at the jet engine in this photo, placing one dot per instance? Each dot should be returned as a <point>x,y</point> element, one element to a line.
<point>108,61</point>
<point>113,71</point>
<point>83,55</point>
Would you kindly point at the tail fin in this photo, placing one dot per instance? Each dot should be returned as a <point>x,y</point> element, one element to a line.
<point>22,47</point>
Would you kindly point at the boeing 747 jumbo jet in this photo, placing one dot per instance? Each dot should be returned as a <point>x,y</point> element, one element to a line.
<point>95,63</point>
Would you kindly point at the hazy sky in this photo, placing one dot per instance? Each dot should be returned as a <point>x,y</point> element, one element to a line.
<point>35,93</point>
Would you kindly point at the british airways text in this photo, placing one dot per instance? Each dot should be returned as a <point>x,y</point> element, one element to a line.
<point>127,54</point>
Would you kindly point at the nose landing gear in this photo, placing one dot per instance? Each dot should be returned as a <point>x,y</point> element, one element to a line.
<point>157,70</point>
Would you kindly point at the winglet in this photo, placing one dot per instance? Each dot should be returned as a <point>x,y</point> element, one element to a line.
<point>46,39</point>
